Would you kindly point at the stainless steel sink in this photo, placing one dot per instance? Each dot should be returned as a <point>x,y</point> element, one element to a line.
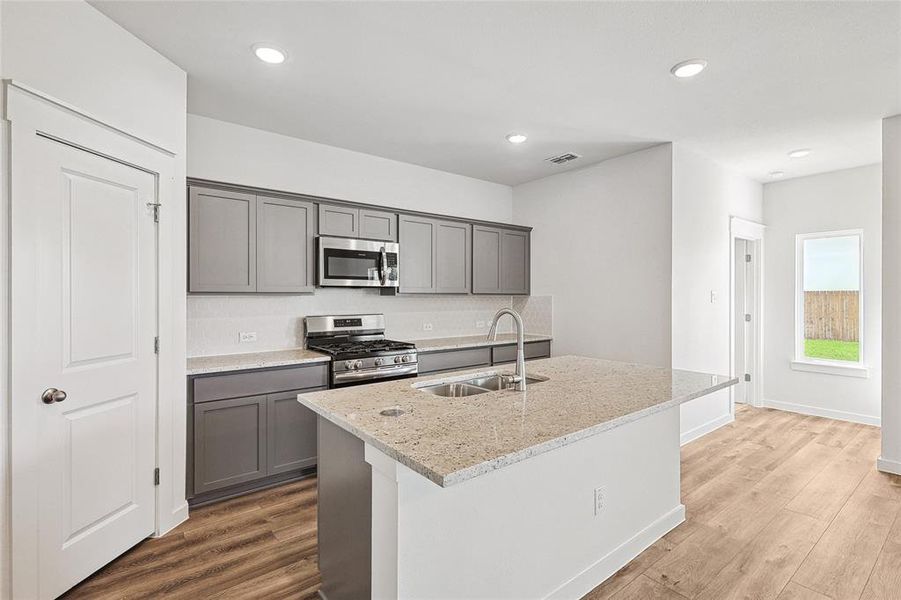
<point>476,385</point>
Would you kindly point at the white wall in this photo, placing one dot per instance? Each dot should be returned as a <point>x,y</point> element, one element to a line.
<point>232,153</point>
<point>705,197</point>
<point>847,199</point>
<point>891,295</point>
<point>602,248</point>
<point>75,54</point>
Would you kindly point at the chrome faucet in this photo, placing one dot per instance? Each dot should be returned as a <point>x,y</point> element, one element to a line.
<point>519,376</point>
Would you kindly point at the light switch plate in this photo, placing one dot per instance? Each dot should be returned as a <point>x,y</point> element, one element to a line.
<point>247,336</point>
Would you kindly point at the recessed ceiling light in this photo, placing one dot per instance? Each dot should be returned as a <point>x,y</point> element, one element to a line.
<point>516,138</point>
<point>268,54</point>
<point>688,68</point>
<point>799,153</point>
<point>777,174</point>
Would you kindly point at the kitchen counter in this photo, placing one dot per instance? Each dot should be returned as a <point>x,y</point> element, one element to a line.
<point>473,341</point>
<point>451,440</point>
<point>201,365</point>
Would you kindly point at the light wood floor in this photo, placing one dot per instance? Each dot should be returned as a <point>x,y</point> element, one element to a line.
<point>779,506</point>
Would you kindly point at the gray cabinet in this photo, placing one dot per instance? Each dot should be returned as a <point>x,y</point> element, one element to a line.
<point>346,221</point>
<point>286,233</point>
<point>246,430</point>
<point>435,256</point>
<point>378,225</point>
<point>532,350</point>
<point>229,442</point>
<point>244,243</point>
<point>484,356</point>
<point>291,433</point>
<point>342,221</point>
<point>501,260</point>
<point>221,241</point>
<point>416,264</point>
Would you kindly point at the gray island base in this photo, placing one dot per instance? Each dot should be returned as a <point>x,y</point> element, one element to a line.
<point>537,494</point>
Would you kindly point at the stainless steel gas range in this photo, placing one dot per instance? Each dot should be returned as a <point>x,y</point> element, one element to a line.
<point>359,350</point>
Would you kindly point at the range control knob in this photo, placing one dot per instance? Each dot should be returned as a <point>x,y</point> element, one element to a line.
<point>348,364</point>
<point>406,358</point>
<point>397,358</point>
<point>358,364</point>
<point>378,361</point>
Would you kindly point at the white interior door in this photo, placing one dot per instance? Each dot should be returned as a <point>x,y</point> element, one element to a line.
<point>83,262</point>
<point>741,322</point>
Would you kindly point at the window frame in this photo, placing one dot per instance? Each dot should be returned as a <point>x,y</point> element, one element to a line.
<point>801,362</point>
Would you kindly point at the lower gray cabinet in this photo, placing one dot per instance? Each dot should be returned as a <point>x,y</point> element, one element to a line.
<point>229,442</point>
<point>483,356</point>
<point>291,434</point>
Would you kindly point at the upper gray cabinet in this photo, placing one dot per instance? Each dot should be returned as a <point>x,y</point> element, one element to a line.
<point>341,221</point>
<point>435,256</point>
<point>221,241</point>
<point>286,234</point>
<point>245,243</point>
<point>416,264</point>
<point>501,260</point>
<point>344,221</point>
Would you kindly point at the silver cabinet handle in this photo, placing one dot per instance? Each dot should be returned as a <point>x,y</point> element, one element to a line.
<point>52,395</point>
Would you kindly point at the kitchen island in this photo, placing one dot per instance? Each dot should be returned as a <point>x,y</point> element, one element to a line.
<point>502,494</point>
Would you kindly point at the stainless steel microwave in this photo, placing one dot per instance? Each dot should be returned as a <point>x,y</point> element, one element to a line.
<point>346,262</point>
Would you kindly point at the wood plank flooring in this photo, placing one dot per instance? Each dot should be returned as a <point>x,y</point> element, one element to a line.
<point>779,506</point>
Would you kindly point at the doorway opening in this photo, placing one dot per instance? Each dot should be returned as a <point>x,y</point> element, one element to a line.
<point>746,309</point>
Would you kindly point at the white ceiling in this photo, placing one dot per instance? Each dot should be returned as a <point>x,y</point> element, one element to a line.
<point>439,84</point>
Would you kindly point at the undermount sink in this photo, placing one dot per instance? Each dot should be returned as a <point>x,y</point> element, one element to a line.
<point>474,386</point>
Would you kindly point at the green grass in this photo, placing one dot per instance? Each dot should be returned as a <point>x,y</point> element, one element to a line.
<point>832,350</point>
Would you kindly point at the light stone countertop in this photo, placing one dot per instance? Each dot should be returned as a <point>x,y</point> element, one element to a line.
<point>201,365</point>
<point>222,363</point>
<point>451,440</point>
<point>473,341</point>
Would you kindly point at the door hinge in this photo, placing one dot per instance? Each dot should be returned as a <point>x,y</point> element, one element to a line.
<point>747,377</point>
<point>156,476</point>
<point>747,317</point>
<point>156,210</point>
<point>156,345</point>
<point>747,258</point>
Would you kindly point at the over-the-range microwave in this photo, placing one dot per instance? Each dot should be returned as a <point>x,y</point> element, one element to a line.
<point>346,262</point>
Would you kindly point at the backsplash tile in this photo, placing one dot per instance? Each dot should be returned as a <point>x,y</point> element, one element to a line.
<point>215,321</point>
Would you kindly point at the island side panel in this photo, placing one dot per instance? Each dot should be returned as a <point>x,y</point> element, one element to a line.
<point>529,530</point>
<point>344,514</point>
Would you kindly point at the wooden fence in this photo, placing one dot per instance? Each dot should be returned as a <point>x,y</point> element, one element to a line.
<point>832,316</point>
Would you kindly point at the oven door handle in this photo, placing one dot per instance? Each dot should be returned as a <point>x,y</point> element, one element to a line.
<point>383,266</point>
<point>405,369</point>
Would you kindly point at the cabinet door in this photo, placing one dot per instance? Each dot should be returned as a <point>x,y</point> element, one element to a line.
<point>221,241</point>
<point>291,435</point>
<point>229,442</point>
<point>453,257</point>
<point>286,231</point>
<point>339,220</point>
<point>416,268</point>
<point>378,225</point>
<point>486,262</point>
<point>514,262</point>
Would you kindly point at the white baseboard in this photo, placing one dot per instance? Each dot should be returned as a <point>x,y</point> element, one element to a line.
<point>605,567</point>
<point>701,430</point>
<point>888,466</point>
<point>816,411</point>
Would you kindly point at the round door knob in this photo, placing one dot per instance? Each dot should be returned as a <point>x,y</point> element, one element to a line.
<point>52,395</point>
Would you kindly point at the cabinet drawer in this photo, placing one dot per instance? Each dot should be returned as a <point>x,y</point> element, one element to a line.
<point>454,359</point>
<point>235,385</point>
<point>505,354</point>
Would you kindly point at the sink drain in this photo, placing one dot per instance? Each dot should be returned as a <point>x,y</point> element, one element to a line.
<point>391,412</point>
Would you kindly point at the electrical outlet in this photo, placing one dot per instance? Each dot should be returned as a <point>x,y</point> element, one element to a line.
<point>426,326</point>
<point>712,296</point>
<point>480,324</point>
<point>600,500</point>
<point>247,336</point>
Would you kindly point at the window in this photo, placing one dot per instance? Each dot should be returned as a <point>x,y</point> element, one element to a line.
<point>829,309</point>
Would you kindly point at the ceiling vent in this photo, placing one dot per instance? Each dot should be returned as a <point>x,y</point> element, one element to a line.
<point>564,158</point>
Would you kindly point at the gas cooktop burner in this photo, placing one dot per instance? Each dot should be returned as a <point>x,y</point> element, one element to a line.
<point>362,347</point>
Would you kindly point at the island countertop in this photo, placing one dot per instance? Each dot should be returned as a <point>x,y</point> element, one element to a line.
<point>451,440</point>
